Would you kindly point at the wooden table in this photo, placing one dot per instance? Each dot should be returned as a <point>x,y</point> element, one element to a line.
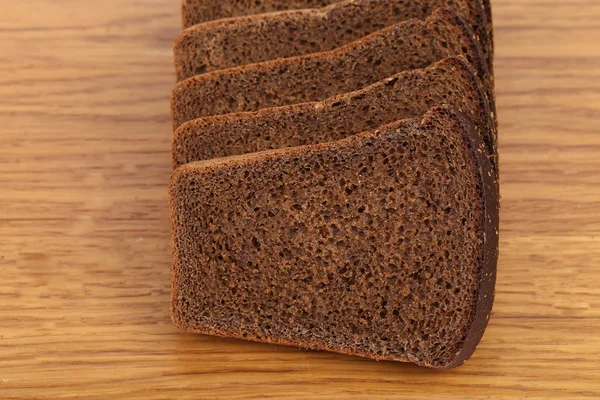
<point>84,163</point>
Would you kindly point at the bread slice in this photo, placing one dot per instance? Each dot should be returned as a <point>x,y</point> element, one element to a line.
<point>314,77</point>
<point>197,11</point>
<point>451,82</point>
<point>382,245</point>
<point>234,42</point>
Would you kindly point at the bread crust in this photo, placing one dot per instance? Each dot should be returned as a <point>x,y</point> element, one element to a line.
<point>487,291</point>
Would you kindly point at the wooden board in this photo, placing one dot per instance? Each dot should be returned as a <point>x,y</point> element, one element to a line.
<point>84,164</point>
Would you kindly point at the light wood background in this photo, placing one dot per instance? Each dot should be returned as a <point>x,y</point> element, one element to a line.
<point>84,236</point>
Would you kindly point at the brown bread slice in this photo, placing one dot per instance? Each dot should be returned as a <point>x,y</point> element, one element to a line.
<point>234,42</point>
<point>197,11</point>
<point>409,45</point>
<point>451,82</point>
<point>382,245</point>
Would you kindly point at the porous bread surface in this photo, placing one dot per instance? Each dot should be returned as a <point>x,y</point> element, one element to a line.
<point>451,82</point>
<point>372,246</point>
<point>409,45</point>
<point>240,41</point>
<point>197,11</point>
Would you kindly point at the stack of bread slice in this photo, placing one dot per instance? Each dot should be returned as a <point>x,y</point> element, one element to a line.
<point>335,181</point>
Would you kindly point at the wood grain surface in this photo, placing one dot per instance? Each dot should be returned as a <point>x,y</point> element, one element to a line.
<point>85,265</point>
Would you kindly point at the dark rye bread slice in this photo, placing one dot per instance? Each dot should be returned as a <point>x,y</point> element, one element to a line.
<point>409,45</point>
<point>240,41</point>
<point>197,11</point>
<point>451,82</point>
<point>382,245</point>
